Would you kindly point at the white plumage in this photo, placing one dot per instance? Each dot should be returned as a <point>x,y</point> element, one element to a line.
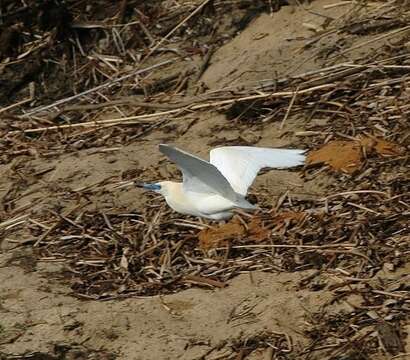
<point>241,164</point>
<point>213,189</point>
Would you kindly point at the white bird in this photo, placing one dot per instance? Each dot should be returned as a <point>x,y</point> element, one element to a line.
<point>213,189</point>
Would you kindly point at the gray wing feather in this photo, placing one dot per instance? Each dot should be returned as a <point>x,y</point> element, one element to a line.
<point>199,175</point>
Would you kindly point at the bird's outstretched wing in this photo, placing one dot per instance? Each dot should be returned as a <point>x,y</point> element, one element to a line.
<point>241,164</point>
<point>199,175</point>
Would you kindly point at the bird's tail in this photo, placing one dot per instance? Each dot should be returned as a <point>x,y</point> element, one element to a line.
<point>286,158</point>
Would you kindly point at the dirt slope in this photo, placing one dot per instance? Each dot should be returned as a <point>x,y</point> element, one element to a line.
<point>278,314</point>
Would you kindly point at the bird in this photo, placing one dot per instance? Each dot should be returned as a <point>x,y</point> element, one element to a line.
<point>213,189</point>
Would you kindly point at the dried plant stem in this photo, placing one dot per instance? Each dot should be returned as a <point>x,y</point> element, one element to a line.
<point>97,88</point>
<point>141,118</point>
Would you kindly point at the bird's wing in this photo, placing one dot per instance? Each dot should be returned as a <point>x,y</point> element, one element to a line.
<point>199,175</point>
<point>241,164</point>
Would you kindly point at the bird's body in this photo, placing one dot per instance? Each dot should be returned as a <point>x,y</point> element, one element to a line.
<point>213,189</point>
<point>211,206</point>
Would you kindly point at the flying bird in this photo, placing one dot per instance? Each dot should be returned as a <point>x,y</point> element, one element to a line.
<point>213,189</point>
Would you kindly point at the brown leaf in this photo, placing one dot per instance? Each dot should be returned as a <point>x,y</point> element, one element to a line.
<point>257,231</point>
<point>347,156</point>
<point>381,146</point>
<point>220,236</point>
<point>341,155</point>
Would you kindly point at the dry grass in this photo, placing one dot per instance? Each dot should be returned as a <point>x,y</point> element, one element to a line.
<point>360,227</point>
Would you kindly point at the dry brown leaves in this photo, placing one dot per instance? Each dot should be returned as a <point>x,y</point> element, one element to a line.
<point>380,146</point>
<point>286,218</point>
<point>225,234</point>
<point>257,230</point>
<point>341,155</point>
<point>348,155</point>
<point>220,236</point>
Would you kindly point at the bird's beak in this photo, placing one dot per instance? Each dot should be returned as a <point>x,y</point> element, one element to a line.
<point>138,184</point>
<point>154,187</point>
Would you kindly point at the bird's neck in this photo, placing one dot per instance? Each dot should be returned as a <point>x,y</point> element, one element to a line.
<point>177,199</point>
<point>173,189</point>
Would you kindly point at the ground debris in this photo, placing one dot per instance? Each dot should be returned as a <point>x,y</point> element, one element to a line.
<point>267,344</point>
<point>96,81</point>
<point>349,155</point>
<point>220,236</point>
<point>390,338</point>
<point>63,352</point>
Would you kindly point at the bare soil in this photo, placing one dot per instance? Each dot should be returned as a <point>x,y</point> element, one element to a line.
<point>284,303</point>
